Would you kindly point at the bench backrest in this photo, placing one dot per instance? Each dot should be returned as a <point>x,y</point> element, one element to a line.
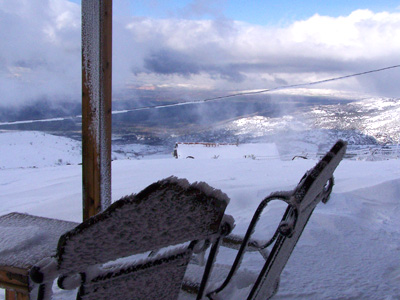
<point>168,212</point>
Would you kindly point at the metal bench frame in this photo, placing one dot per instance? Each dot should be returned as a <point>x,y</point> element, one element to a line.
<point>315,186</point>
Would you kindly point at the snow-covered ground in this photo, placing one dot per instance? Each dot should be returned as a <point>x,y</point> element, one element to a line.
<point>363,122</point>
<point>32,149</point>
<point>350,248</point>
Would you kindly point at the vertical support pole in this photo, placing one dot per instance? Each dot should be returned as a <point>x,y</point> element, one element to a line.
<point>96,105</point>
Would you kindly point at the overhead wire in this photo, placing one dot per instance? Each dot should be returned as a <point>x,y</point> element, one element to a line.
<point>284,87</point>
<point>254,92</point>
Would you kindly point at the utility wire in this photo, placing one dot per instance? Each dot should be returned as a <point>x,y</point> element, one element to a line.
<point>283,87</point>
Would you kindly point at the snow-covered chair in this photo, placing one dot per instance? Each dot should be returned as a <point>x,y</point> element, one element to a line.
<point>139,247</point>
<point>315,186</point>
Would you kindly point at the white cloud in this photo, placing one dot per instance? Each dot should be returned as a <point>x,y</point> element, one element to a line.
<point>41,55</point>
<point>362,34</point>
<point>313,49</point>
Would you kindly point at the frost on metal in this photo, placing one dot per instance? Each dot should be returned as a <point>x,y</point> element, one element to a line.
<point>92,42</point>
<point>170,211</point>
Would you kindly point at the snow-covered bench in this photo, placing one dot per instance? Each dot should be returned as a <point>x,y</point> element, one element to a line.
<point>170,213</point>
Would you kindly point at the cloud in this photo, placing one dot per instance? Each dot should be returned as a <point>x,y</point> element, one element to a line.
<point>41,56</point>
<point>41,53</point>
<point>169,62</point>
<point>314,49</point>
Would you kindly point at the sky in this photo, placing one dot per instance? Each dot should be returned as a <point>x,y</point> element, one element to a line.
<point>259,12</point>
<point>202,45</point>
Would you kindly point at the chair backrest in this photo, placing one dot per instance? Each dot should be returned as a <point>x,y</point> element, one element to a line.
<point>168,212</point>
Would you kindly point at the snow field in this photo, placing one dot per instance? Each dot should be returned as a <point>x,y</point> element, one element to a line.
<point>349,250</point>
<point>32,149</point>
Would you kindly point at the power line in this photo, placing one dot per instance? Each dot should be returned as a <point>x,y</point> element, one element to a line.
<point>283,87</point>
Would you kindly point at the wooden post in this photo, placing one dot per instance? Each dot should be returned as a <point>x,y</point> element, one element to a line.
<point>96,105</point>
<point>12,295</point>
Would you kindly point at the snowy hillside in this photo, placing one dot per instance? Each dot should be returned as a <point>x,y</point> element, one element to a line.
<point>375,117</point>
<point>366,122</point>
<point>350,248</point>
<point>32,149</point>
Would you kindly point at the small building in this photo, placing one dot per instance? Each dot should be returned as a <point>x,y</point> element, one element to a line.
<point>225,151</point>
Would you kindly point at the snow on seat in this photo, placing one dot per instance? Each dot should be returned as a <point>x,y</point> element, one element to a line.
<point>168,212</point>
<point>25,240</point>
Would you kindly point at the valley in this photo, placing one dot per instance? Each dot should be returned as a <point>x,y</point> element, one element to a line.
<point>299,123</point>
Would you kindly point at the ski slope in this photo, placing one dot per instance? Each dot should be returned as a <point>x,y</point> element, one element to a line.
<point>349,250</point>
